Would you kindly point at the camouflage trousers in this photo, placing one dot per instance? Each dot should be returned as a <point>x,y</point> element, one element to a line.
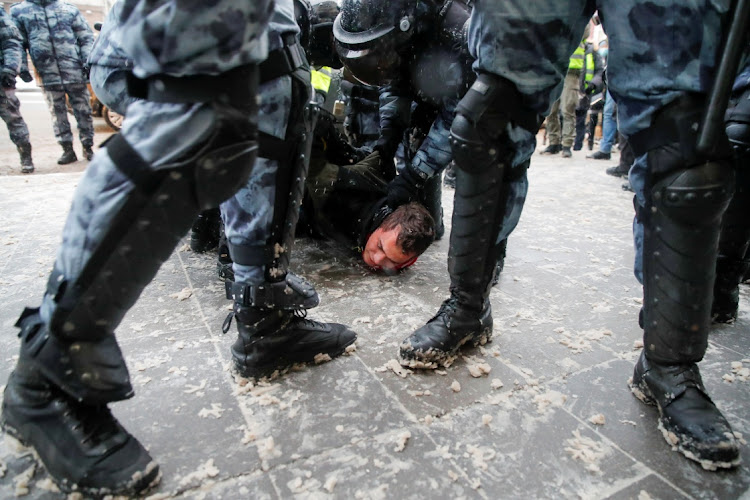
<point>10,112</point>
<point>248,214</point>
<point>659,50</point>
<point>79,98</point>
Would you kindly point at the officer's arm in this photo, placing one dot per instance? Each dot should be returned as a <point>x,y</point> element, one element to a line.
<point>435,154</point>
<point>83,35</point>
<point>395,112</point>
<point>23,70</point>
<point>11,47</point>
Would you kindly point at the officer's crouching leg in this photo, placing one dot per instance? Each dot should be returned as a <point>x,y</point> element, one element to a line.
<point>686,196</point>
<point>134,203</point>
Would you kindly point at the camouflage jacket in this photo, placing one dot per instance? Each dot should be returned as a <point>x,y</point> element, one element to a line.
<point>57,37</point>
<point>10,46</point>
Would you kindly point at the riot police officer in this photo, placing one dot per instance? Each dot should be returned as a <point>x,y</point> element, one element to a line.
<point>660,78</point>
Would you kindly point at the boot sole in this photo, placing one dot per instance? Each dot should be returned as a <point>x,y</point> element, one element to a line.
<point>148,479</point>
<point>282,365</point>
<point>433,358</point>
<point>643,394</point>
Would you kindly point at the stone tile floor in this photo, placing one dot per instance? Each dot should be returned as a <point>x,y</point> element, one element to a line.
<point>565,340</point>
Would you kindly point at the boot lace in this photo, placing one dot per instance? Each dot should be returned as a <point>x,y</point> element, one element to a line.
<point>93,424</point>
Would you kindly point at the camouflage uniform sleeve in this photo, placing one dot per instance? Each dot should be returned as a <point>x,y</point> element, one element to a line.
<point>395,111</point>
<point>84,37</point>
<point>24,67</point>
<point>435,152</point>
<point>10,45</point>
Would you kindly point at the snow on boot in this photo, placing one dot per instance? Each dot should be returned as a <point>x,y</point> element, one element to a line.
<point>82,446</point>
<point>271,340</point>
<point>688,419</point>
<point>437,343</point>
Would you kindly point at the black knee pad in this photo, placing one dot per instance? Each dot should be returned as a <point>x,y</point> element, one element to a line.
<point>481,120</point>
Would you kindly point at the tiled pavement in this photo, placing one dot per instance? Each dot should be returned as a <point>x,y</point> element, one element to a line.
<point>566,330</point>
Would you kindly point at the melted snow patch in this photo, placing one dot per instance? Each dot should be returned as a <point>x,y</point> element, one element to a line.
<point>183,294</point>
<point>455,386</point>
<point>215,411</point>
<point>204,471</point>
<point>401,440</point>
<point>22,481</point>
<point>597,419</point>
<point>550,399</point>
<point>395,367</point>
<point>739,373</point>
<point>586,450</point>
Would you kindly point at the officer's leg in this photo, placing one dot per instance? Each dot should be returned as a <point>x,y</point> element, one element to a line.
<point>489,196</point>
<point>732,263</point>
<point>187,146</point>
<point>80,101</point>
<point>270,303</point>
<point>10,112</point>
<point>492,138</point>
<point>58,108</point>
<point>682,197</point>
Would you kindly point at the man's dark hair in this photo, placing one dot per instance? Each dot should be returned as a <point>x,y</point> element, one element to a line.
<point>417,227</point>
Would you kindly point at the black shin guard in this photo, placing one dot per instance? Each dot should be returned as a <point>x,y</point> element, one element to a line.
<point>480,152</point>
<point>681,234</point>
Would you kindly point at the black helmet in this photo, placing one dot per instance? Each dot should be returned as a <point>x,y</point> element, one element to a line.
<point>321,51</point>
<point>372,36</point>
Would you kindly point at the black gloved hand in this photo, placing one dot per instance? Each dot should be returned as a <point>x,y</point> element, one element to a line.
<point>26,76</point>
<point>7,81</point>
<point>404,187</point>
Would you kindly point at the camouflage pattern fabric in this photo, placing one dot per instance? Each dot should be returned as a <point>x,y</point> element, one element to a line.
<point>109,64</point>
<point>248,214</point>
<point>57,37</point>
<point>185,37</point>
<point>160,132</point>
<point>10,112</point>
<point>11,46</point>
<point>659,50</point>
<point>79,98</point>
<point>10,63</point>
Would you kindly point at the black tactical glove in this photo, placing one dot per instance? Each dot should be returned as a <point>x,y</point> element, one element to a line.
<point>7,80</point>
<point>404,187</point>
<point>26,76</point>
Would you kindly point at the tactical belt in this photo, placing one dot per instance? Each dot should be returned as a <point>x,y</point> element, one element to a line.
<point>232,85</point>
<point>283,61</point>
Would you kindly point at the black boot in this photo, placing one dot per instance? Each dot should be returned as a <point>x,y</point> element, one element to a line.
<point>688,419</point>
<point>68,156</point>
<point>466,317</point>
<point>98,456</point>
<point>27,166</point>
<point>204,235</point>
<point>88,153</point>
<point>552,149</point>
<point>271,340</point>
<point>681,223</point>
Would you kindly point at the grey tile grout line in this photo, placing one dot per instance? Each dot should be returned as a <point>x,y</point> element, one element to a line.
<point>228,380</point>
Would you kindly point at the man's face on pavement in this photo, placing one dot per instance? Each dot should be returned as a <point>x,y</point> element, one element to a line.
<point>383,252</point>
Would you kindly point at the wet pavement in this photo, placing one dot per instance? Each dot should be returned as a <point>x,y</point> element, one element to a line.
<point>548,416</point>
